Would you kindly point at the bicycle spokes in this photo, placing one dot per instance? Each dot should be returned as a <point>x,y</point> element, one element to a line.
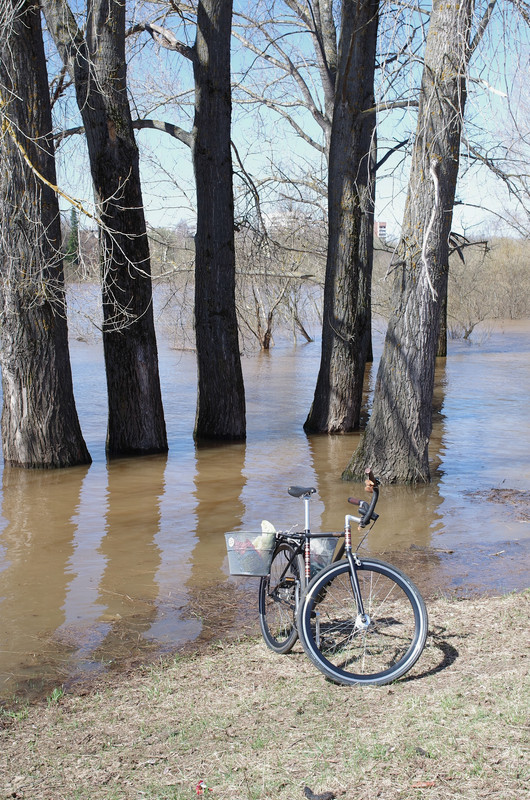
<point>372,646</point>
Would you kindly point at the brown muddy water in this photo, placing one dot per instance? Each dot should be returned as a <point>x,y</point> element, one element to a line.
<point>101,566</point>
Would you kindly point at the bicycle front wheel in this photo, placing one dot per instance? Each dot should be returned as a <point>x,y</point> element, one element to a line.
<point>278,593</point>
<point>350,648</point>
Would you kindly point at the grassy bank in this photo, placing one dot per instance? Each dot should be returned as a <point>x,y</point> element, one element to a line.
<point>256,725</point>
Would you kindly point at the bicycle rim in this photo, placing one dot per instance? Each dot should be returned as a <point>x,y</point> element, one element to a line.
<point>349,649</point>
<point>277,599</point>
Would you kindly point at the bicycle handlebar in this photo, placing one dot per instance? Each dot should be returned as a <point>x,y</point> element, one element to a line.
<point>371,485</point>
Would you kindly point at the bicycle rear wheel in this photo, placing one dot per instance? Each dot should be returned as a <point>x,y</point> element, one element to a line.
<point>277,598</point>
<point>349,649</point>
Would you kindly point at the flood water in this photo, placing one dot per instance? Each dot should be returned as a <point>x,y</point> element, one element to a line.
<point>105,564</point>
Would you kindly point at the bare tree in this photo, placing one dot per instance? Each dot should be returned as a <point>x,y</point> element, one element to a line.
<point>396,440</point>
<point>40,427</point>
<point>505,152</point>
<point>331,84</point>
<point>96,63</point>
<point>493,283</point>
<point>221,396</point>
<point>346,326</point>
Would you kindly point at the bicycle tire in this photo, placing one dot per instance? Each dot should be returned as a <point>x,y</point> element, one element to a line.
<point>349,650</point>
<point>277,599</point>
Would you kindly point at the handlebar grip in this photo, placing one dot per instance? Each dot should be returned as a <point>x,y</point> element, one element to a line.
<point>367,512</point>
<point>371,480</point>
<point>371,485</point>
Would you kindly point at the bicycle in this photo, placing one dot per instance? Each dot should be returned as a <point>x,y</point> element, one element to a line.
<point>359,620</point>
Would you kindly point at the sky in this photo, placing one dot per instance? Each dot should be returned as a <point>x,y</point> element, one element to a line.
<point>161,86</point>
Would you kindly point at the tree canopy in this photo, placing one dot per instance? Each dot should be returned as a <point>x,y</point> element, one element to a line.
<point>236,119</point>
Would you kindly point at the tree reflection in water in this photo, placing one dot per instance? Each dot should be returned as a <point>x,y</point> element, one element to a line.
<point>98,563</point>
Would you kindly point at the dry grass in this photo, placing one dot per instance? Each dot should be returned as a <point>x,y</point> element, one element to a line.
<point>256,725</point>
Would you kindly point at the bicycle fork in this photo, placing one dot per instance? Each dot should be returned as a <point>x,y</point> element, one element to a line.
<point>362,620</point>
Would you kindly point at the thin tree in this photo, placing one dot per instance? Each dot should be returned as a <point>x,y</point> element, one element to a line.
<point>347,311</point>
<point>220,397</point>
<point>395,443</point>
<point>220,393</point>
<point>344,108</point>
<point>71,253</point>
<point>96,63</point>
<point>40,427</point>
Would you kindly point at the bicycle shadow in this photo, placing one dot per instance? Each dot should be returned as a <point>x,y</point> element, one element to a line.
<point>438,639</point>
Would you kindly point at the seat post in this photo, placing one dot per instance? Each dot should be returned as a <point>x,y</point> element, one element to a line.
<point>307,500</point>
<point>307,546</point>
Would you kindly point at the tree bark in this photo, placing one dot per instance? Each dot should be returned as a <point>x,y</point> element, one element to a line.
<point>396,440</point>
<point>220,394</point>
<point>441,350</point>
<point>346,324</point>
<point>40,427</point>
<point>96,62</point>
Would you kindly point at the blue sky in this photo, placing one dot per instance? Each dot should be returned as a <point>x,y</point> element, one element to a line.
<point>267,143</point>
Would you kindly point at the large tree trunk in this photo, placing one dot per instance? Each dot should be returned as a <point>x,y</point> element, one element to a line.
<point>396,440</point>
<point>96,61</point>
<point>347,309</point>
<point>220,396</point>
<point>40,427</point>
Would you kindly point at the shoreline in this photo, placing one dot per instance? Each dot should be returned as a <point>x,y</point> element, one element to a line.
<point>256,725</point>
<point>228,611</point>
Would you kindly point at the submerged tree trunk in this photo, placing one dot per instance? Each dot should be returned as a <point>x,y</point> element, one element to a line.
<point>220,396</point>
<point>396,440</point>
<point>96,61</point>
<point>40,427</point>
<point>347,310</point>
<point>441,351</point>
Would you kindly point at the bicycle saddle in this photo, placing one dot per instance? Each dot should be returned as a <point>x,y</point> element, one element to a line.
<point>301,491</point>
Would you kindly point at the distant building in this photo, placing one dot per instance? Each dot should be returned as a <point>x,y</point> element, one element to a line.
<point>380,230</point>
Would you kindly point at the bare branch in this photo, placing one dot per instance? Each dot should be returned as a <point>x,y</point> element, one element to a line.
<point>164,37</point>
<point>389,107</point>
<point>274,105</point>
<point>391,152</point>
<point>166,127</point>
<point>139,124</point>
<point>289,68</point>
<point>482,27</point>
<point>59,85</point>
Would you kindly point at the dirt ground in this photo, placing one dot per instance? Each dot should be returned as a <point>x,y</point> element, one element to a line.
<point>252,724</point>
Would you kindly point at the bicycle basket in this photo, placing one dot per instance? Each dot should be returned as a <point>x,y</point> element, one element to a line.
<point>249,553</point>
<point>322,551</point>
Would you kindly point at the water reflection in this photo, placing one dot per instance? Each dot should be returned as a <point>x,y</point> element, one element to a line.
<point>221,605</point>
<point>219,481</point>
<point>131,556</point>
<point>98,563</point>
<point>37,539</point>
